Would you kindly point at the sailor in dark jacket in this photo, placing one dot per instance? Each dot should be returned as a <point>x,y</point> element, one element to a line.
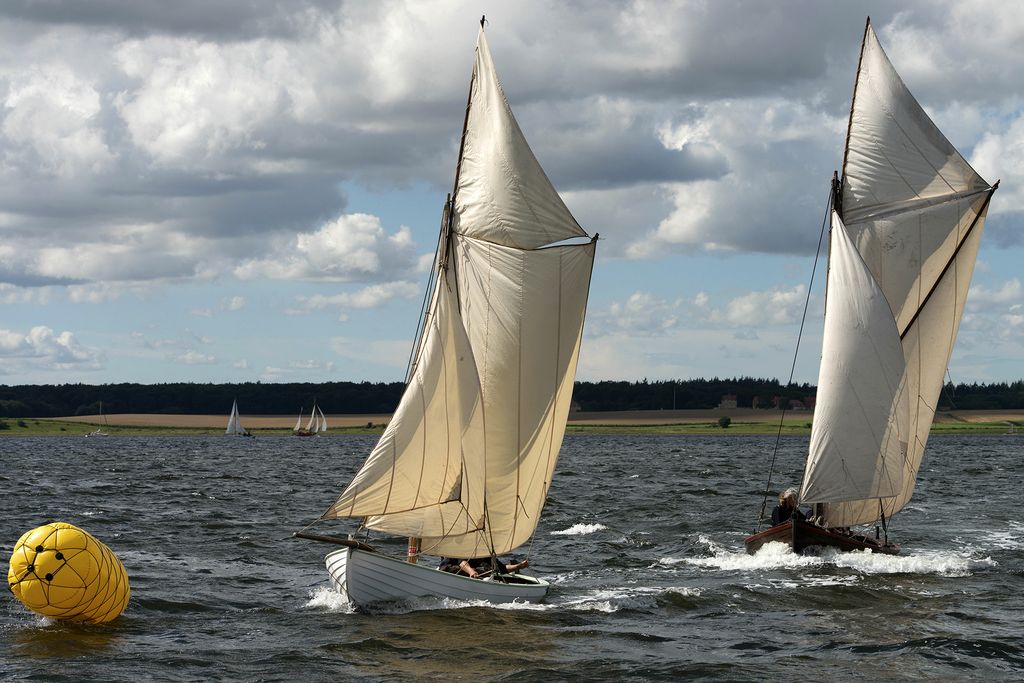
<point>786,509</point>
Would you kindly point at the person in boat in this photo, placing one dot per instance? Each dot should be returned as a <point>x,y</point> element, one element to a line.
<point>479,565</point>
<point>787,509</point>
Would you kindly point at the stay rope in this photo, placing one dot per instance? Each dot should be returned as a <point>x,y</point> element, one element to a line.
<point>796,353</point>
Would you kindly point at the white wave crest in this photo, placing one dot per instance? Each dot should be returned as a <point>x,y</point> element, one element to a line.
<point>579,530</point>
<point>634,597</point>
<point>770,556</point>
<point>329,599</point>
<point>944,562</point>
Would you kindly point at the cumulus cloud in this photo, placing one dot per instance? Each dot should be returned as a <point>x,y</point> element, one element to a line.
<point>368,297</point>
<point>642,313</point>
<point>50,123</point>
<point>668,126</point>
<point>148,144</point>
<point>353,247</point>
<point>774,307</point>
<point>42,347</point>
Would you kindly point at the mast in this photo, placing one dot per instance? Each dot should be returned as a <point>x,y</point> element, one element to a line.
<point>837,202</point>
<point>450,207</point>
<point>444,245</point>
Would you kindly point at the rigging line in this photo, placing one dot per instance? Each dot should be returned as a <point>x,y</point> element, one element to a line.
<point>796,352</point>
<point>421,321</point>
<point>949,392</point>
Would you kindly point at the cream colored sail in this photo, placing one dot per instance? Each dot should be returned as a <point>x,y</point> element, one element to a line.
<point>915,210</point>
<point>858,437</point>
<point>467,461</point>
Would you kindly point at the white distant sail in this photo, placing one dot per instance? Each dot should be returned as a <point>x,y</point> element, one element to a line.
<point>234,422</point>
<point>905,236</point>
<point>466,461</point>
<point>298,423</point>
<point>323,421</point>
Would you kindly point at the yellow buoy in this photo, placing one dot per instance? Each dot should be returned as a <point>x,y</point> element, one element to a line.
<point>61,571</point>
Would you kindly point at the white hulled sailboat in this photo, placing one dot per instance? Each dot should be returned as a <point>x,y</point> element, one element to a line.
<point>464,466</point>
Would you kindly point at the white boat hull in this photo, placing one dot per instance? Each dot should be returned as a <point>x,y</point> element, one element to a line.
<point>368,577</point>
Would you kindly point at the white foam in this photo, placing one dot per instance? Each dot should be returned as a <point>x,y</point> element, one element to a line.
<point>993,539</point>
<point>772,555</point>
<point>614,599</point>
<point>943,562</point>
<point>777,555</point>
<point>329,599</point>
<point>579,530</point>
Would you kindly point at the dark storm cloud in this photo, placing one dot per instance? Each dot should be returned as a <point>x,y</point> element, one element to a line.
<point>233,19</point>
<point>634,157</point>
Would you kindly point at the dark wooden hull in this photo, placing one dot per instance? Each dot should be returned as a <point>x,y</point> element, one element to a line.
<point>800,535</point>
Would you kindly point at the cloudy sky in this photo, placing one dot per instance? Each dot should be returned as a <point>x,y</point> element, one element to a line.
<point>251,189</point>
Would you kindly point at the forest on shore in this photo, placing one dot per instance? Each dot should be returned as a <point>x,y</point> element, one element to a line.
<point>368,398</point>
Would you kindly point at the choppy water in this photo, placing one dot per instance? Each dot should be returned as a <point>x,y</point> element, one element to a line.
<point>642,539</point>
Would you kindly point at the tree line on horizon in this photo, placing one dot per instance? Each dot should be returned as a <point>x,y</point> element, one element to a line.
<point>258,398</point>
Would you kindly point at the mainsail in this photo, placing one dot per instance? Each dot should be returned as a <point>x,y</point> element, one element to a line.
<point>466,462</point>
<point>906,226</point>
<point>234,422</point>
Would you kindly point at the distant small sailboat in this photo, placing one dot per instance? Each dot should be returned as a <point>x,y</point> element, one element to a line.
<point>906,223</point>
<point>464,466</point>
<point>316,425</point>
<point>99,430</point>
<point>234,423</point>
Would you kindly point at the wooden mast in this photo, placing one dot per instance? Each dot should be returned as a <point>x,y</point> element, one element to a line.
<point>448,218</point>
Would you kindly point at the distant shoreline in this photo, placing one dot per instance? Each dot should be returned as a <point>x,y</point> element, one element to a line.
<point>697,422</point>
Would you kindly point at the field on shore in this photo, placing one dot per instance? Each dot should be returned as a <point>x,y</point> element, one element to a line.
<point>743,421</point>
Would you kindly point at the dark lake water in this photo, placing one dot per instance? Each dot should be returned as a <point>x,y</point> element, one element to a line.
<point>642,539</point>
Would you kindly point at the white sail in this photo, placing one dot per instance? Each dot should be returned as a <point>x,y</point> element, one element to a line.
<point>857,447</point>
<point>502,193</point>
<point>915,210</point>
<point>323,422</point>
<point>310,426</point>
<point>298,423</point>
<point>466,462</point>
<point>234,421</point>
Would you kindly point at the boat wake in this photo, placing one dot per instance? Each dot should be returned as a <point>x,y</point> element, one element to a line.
<point>781,556</point>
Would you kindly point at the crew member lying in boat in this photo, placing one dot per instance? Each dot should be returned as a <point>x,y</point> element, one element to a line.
<point>787,509</point>
<point>480,565</point>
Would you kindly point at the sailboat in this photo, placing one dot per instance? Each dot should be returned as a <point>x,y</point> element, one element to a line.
<point>906,222</point>
<point>464,466</point>
<point>99,430</point>
<point>234,423</point>
<point>316,425</point>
